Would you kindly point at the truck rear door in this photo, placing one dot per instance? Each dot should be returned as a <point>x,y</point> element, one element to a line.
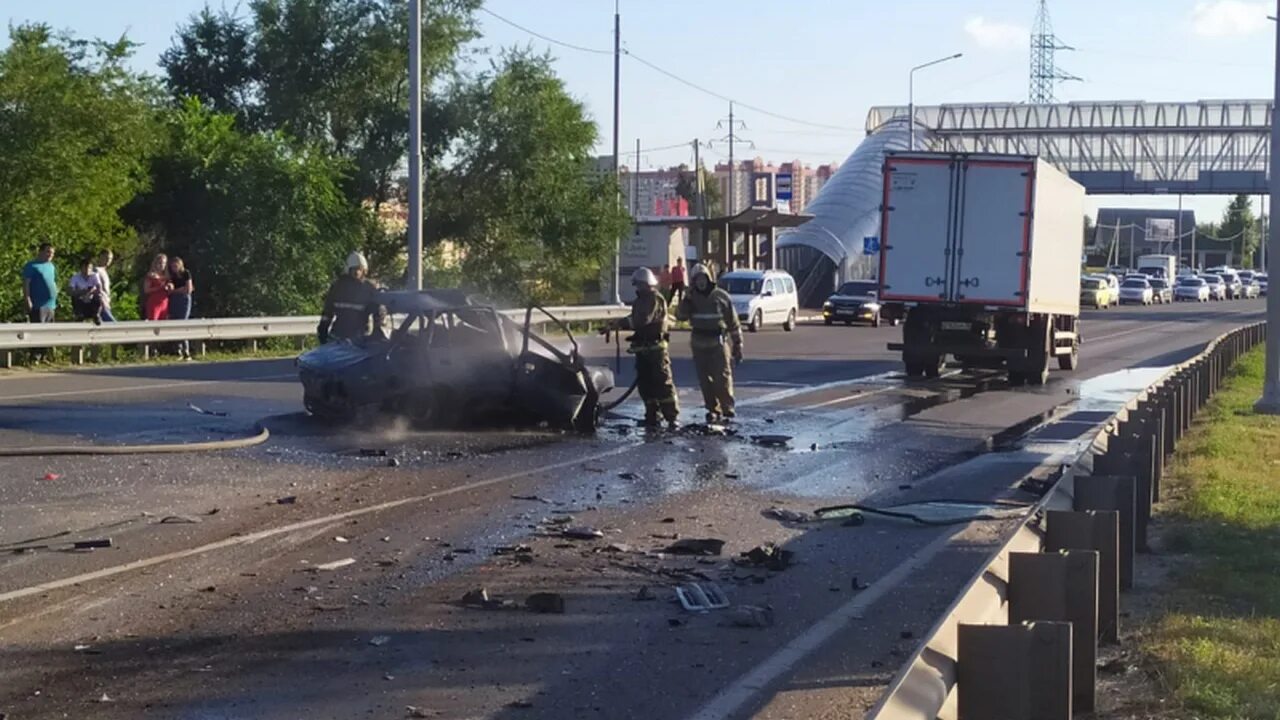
<point>915,229</point>
<point>995,235</point>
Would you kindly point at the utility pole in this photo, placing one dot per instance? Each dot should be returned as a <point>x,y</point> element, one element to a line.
<point>733,139</point>
<point>1179,231</point>
<point>698,183</point>
<point>617,170</point>
<point>414,279</point>
<point>635,184</point>
<point>1269,403</point>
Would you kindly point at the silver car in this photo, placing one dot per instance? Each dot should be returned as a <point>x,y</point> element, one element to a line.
<point>1191,288</point>
<point>1161,290</point>
<point>1217,288</point>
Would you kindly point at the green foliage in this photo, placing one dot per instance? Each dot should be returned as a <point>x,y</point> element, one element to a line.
<point>1238,219</point>
<point>260,219</point>
<point>212,60</point>
<point>76,131</point>
<point>533,222</point>
<point>687,188</point>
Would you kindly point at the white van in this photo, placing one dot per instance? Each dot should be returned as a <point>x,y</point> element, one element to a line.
<point>762,297</point>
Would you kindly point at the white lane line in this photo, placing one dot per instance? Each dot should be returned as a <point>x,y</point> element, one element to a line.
<point>850,398</point>
<point>300,525</point>
<point>805,389</point>
<point>138,388</point>
<point>743,691</point>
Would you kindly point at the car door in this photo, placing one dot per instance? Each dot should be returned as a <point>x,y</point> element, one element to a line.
<point>770,299</point>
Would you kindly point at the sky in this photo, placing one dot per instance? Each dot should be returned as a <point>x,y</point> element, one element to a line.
<point>820,64</point>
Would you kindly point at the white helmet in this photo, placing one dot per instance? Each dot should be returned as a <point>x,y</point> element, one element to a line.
<point>356,260</point>
<point>700,269</point>
<point>644,277</point>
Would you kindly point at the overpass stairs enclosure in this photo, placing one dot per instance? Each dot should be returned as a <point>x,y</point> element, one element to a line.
<point>1113,147</point>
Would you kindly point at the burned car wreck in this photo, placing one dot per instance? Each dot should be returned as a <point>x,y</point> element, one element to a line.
<point>450,362</point>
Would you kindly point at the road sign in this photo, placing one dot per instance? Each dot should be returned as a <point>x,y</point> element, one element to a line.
<point>870,245</point>
<point>782,186</point>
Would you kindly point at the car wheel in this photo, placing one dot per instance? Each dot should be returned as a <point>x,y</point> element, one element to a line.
<point>875,320</point>
<point>756,321</point>
<point>790,324</point>
<point>828,321</point>
<point>933,366</point>
<point>895,322</point>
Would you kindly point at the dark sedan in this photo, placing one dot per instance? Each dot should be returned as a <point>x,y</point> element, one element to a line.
<point>858,301</point>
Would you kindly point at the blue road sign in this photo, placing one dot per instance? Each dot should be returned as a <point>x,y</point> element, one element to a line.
<point>870,245</point>
<point>782,186</point>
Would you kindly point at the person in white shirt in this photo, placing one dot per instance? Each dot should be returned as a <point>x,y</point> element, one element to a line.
<point>104,284</point>
<point>86,293</point>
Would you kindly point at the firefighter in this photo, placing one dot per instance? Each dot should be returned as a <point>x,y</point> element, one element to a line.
<point>714,330</point>
<point>351,302</point>
<point>648,325</point>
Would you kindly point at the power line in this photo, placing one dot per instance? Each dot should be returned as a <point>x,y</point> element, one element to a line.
<point>553,41</point>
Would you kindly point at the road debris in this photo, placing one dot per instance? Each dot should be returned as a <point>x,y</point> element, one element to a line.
<point>785,515</point>
<point>701,597</point>
<point>644,594</point>
<point>411,711</point>
<point>65,545</point>
<point>629,475</point>
<point>582,532</point>
<point>771,440</point>
<point>340,539</point>
<point>393,462</point>
<point>325,567</point>
<point>532,498</point>
<point>857,585</point>
<point>379,640</point>
<point>751,616</point>
<point>513,550</point>
<point>179,520</point>
<point>372,452</point>
<point>520,704</point>
<point>546,603</point>
<point>287,500</point>
<point>617,548</point>
<point>667,520</point>
<point>479,598</point>
<point>906,634</point>
<point>769,556</point>
<point>52,476</point>
<point>695,546</point>
<point>199,410</point>
<point>105,698</point>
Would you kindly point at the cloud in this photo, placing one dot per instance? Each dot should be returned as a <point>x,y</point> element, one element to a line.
<point>997,35</point>
<point>1229,18</point>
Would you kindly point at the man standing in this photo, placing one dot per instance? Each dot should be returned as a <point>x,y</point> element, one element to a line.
<point>711,317</point>
<point>677,281</point>
<point>40,290</point>
<point>105,259</point>
<point>648,325</point>
<point>350,304</point>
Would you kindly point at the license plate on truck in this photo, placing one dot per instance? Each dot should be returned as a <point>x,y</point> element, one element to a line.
<point>955,325</point>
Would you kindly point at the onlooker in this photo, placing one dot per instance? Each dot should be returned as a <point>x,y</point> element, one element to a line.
<point>40,286</point>
<point>180,289</point>
<point>155,289</point>
<point>40,290</point>
<point>677,281</point>
<point>105,258</point>
<point>86,293</point>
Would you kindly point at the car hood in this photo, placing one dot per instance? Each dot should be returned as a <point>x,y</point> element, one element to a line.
<point>334,356</point>
<point>864,299</point>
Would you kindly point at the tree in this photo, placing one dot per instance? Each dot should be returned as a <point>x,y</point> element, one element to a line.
<point>76,131</point>
<point>1240,227</point>
<point>687,188</point>
<point>531,223</point>
<point>212,59</point>
<point>1089,230</point>
<point>260,218</point>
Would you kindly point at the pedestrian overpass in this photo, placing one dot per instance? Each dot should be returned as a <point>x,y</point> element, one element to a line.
<point>1113,147</point>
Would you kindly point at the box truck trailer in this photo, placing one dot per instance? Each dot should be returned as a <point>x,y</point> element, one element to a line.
<point>985,252</point>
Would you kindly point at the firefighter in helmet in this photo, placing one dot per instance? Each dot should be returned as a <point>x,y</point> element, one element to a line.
<point>648,325</point>
<point>716,340</point>
<point>351,304</point>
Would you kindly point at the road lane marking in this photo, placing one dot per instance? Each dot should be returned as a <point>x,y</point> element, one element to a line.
<point>743,691</point>
<point>850,398</point>
<point>134,388</point>
<point>292,527</point>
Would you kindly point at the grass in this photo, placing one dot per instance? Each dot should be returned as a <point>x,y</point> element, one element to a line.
<point>1218,644</point>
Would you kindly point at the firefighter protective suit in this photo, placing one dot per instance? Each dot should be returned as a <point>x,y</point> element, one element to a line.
<point>648,325</point>
<point>351,305</point>
<point>714,329</point>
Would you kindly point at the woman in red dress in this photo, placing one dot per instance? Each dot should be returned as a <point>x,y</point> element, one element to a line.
<point>155,290</point>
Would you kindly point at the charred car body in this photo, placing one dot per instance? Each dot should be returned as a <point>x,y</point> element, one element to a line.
<point>451,361</point>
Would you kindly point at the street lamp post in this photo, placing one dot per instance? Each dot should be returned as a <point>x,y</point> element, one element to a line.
<point>1269,403</point>
<point>911,95</point>
<point>414,279</point>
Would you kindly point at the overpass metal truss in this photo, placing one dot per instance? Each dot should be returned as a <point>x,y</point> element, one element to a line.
<point>1123,148</point>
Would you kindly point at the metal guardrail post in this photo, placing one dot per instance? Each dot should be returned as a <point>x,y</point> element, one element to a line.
<point>1119,494</point>
<point>1062,586</point>
<point>1098,531</point>
<point>1014,672</point>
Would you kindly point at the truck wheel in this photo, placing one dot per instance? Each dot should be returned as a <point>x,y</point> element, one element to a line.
<point>915,368</point>
<point>790,323</point>
<point>933,366</point>
<point>1016,378</point>
<point>756,321</point>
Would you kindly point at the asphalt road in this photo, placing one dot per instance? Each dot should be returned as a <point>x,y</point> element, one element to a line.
<point>212,603</point>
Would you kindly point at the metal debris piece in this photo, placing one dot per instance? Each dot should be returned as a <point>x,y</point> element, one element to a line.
<point>751,616</point>
<point>372,452</point>
<point>54,476</point>
<point>336,564</point>
<point>64,545</point>
<point>393,462</point>
<point>695,546</point>
<point>513,550</point>
<point>581,533</point>
<point>179,520</point>
<point>785,515</point>
<point>628,476</point>
<point>287,500</point>
<point>340,539</point>
<point>379,640</point>
<point>770,556</point>
<point>701,597</point>
<point>617,548</point>
<point>105,698</point>
<point>546,603</point>
<point>417,712</point>
<point>531,498</point>
<point>644,594</point>
<point>202,411</point>
<point>771,440</point>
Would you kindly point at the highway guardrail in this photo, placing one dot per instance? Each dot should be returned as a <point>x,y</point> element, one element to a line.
<point>1020,641</point>
<point>20,336</point>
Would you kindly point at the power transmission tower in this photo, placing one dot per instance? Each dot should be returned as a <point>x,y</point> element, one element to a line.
<point>1044,70</point>
<point>733,139</point>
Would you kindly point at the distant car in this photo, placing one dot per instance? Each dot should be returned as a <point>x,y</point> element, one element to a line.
<point>857,301</point>
<point>1235,288</point>
<point>1261,279</point>
<point>1096,292</point>
<point>1191,288</point>
<point>762,297</point>
<point>1217,288</point>
<point>1136,290</point>
<point>1250,288</point>
<point>1161,290</point>
<point>453,362</point>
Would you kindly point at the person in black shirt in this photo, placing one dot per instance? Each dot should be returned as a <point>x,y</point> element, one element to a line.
<point>180,289</point>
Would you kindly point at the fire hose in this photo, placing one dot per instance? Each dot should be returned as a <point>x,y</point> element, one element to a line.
<point>617,368</point>
<point>261,436</point>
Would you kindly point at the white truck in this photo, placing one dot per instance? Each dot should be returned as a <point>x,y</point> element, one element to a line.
<point>1161,266</point>
<point>984,251</point>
